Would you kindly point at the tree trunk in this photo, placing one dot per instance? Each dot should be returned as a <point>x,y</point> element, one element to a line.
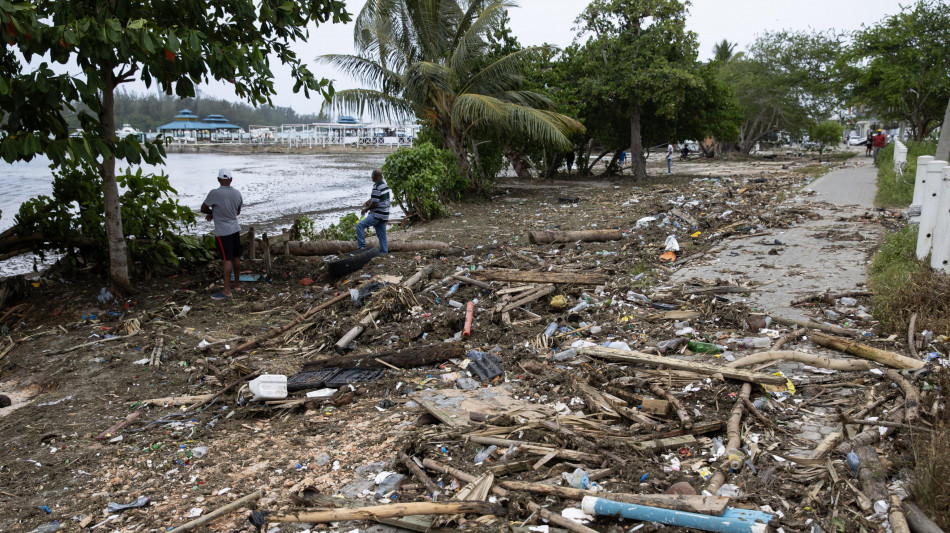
<point>943,145</point>
<point>452,142</point>
<point>638,165</point>
<point>118,252</point>
<point>519,165</point>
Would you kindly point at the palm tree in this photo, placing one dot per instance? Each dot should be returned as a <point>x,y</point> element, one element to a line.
<point>424,59</point>
<point>723,52</point>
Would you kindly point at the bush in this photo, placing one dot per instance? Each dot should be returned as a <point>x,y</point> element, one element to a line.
<point>423,180</point>
<point>826,133</point>
<point>344,230</point>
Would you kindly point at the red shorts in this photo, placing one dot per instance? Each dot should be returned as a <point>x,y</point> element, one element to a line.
<point>229,246</point>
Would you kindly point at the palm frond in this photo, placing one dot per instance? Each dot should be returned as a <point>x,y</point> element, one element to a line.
<point>375,103</point>
<point>488,112</point>
<point>366,70</point>
<point>504,73</point>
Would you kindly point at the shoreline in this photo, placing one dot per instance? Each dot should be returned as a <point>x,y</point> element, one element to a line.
<point>278,149</point>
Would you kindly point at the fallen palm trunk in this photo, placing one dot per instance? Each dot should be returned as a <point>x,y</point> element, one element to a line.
<point>470,281</point>
<point>405,358</point>
<point>911,396</point>
<point>733,435</point>
<point>389,511</point>
<point>732,521</point>
<point>218,512</point>
<point>896,517</point>
<point>551,237</point>
<point>624,356</point>
<point>541,277</point>
<point>819,361</point>
<point>308,248</point>
<point>871,474</point>
<point>917,520</point>
<point>538,449</point>
<point>867,352</point>
<point>711,505</point>
<point>827,328</point>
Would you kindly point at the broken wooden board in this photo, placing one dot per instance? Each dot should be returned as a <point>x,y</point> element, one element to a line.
<point>659,445</point>
<point>405,358</point>
<point>452,406</point>
<point>655,407</point>
<point>623,356</point>
<point>676,315</point>
<point>541,277</point>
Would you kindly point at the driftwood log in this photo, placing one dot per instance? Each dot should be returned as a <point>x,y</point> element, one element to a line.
<point>867,352</point>
<point>710,505</point>
<point>551,237</point>
<point>871,473</point>
<point>541,277</point>
<point>236,504</point>
<point>827,328</point>
<point>388,511</point>
<point>307,248</point>
<point>819,361</point>
<point>405,358</point>
<point>918,521</point>
<point>733,434</point>
<point>706,369</point>
<point>911,396</point>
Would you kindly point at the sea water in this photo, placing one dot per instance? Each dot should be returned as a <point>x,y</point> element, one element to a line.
<point>277,188</point>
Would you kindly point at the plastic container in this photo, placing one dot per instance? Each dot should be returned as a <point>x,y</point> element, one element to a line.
<point>389,485</point>
<point>669,346</point>
<point>485,454</point>
<point>704,347</point>
<point>552,327</point>
<point>456,304</point>
<point>848,301</point>
<point>578,308</point>
<point>269,387</point>
<point>568,354</point>
<point>452,290</point>
<point>199,451</point>
<point>577,479</point>
<point>853,463</point>
<point>754,342</point>
<point>735,458</point>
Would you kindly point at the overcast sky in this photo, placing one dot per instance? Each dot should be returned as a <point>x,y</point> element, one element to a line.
<point>552,21</point>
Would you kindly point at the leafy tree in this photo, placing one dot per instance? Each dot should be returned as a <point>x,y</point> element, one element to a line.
<point>639,57</point>
<point>785,83</point>
<point>900,67</point>
<point>421,58</point>
<point>724,51</point>
<point>826,133</point>
<point>173,44</point>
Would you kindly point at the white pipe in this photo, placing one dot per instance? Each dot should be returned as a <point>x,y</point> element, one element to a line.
<point>940,258</point>
<point>919,186</point>
<point>929,208</point>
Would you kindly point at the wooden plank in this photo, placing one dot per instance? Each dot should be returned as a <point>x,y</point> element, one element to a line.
<point>541,277</point>
<point>659,445</point>
<point>623,356</point>
<point>655,407</point>
<point>445,416</point>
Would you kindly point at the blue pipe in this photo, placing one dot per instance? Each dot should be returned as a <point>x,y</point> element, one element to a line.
<point>731,521</point>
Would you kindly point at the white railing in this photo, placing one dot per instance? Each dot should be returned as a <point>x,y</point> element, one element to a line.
<point>900,157</point>
<point>932,191</point>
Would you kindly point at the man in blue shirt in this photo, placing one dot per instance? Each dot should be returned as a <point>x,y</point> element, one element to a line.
<point>378,208</point>
<point>223,205</point>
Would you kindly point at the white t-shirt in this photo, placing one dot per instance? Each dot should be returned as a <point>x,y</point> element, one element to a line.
<point>669,152</point>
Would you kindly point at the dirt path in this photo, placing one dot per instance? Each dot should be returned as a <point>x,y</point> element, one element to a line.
<point>829,253</point>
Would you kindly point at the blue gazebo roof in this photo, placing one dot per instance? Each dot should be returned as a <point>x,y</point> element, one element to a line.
<point>186,120</point>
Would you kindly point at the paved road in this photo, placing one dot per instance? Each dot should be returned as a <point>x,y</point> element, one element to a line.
<point>829,254</point>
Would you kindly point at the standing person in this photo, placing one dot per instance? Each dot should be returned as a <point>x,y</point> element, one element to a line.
<point>569,158</point>
<point>669,158</point>
<point>378,208</point>
<point>879,141</point>
<point>223,205</point>
<point>622,159</point>
<point>869,144</point>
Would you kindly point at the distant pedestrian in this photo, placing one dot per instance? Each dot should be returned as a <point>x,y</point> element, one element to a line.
<point>669,159</point>
<point>378,208</point>
<point>869,144</point>
<point>223,205</point>
<point>569,159</point>
<point>622,159</point>
<point>879,141</point>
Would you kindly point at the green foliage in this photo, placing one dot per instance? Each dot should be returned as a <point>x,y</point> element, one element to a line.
<point>634,60</point>
<point>74,217</point>
<point>892,271</point>
<point>893,189</point>
<point>425,59</point>
<point>825,133</point>
<point>900,67</point>
<point>344,230</point>
<point>302,229</point>
<point>423,180</point>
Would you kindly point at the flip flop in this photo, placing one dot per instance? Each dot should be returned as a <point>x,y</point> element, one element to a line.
<point>219,296</point>
<point>238,289</point>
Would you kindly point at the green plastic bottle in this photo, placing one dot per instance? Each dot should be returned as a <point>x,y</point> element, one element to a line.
<point>703,347</point>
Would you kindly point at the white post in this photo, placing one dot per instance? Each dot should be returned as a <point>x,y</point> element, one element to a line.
<point>928,211</point>
<point>940,258</point>
<point>919,186</point>
<point>900,156</point>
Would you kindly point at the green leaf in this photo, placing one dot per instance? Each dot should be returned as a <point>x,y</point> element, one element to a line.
<point>136,24</point>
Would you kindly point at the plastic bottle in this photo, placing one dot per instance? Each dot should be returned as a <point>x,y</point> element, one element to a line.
<point>853,462</point>
<point>199,451</point>
<point>579,307</point>
<point>735,458</point>
<point>484,454</point>
<point>754,342</point>
<point>390,484</point>
<point>848,301</point>
<point>456,304</point>
<point>761,403</point>
<point>703,347</point>
<point>670,345</point>
<point>570,353</point>
<point>552,327</point>
<point>452,290</point>
<point>47,528</point>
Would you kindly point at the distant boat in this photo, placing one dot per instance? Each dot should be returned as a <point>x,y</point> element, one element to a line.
<point>127,130</point>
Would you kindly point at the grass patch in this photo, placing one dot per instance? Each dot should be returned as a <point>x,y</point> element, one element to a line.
<point>931,469</point>
<point>813,171</point>
<point>901,286</point>
<point>893,189</point>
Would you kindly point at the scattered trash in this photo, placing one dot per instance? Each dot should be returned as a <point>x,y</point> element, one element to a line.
<point>268,387</point>
<point>142,501</point>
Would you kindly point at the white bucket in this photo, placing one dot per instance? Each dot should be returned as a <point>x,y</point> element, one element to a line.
<point>269,387</point>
